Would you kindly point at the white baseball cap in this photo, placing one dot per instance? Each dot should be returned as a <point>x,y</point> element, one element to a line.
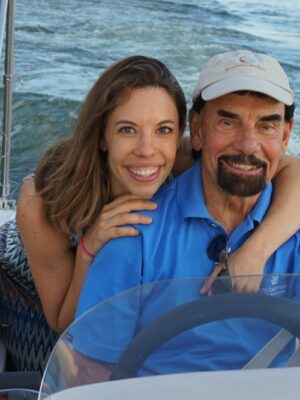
<point>243,70</point>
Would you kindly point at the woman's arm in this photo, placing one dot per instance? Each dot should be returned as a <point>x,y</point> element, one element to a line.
<point>280,223</point>
<point>57,272</point>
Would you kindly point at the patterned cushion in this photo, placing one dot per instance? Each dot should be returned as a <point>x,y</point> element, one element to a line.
<point>23,327</point>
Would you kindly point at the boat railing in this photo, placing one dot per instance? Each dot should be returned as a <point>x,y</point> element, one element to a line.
<point>7,18</point>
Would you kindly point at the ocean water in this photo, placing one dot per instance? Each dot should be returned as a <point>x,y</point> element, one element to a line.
<point>61,47</point>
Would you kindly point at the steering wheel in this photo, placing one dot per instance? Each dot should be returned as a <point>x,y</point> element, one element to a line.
<point>200,312</point>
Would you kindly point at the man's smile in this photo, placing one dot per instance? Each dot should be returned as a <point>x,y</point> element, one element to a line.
<point>241,167</point>
<point>237,163</point>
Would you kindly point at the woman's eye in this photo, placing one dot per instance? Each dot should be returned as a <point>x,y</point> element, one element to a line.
<point>126,129</point>
<point>165,130</point>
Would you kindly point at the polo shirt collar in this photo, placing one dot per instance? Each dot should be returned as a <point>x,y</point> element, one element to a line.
<point>261,207</point>
<point>190,196</point>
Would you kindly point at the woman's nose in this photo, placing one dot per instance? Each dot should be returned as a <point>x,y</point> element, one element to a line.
<point>145,146</point>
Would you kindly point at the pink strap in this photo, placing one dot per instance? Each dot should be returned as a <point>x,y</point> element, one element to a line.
<point>85,250</point>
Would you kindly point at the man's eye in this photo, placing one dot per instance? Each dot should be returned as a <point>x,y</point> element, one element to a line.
<point>227,123</point>
<point>164,130</point>
<point>126,129</point>
<point>267,128</point>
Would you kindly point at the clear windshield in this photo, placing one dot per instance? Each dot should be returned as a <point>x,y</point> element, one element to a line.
<point>170,327</point>
<point>18,394</point>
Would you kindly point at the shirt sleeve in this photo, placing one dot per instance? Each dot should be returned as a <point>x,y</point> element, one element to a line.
<point>105,332</point>
<point>117,267</point>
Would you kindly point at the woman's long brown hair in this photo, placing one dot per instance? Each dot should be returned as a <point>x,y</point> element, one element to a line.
<point>73,177</point>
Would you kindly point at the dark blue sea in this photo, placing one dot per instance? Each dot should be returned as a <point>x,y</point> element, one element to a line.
<point>61,47</point>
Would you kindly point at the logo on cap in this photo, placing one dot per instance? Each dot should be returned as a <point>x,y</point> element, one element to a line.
<point>247,59</point>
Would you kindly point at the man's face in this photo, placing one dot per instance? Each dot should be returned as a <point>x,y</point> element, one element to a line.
<point>242,138</point>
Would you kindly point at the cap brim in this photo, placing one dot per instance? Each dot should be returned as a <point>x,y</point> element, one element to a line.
<point>237,83</point>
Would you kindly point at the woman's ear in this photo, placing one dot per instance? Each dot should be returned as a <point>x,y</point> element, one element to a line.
<point>102,145</point>
<point>195,130</point>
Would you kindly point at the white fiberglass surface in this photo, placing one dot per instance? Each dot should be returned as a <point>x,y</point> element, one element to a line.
<point>169,327</point>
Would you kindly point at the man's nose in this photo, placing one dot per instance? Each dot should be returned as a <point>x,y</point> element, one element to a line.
<point>246,140</point>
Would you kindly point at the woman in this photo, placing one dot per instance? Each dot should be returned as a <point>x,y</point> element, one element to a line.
<point>66,201</point>
<point>73,195</point>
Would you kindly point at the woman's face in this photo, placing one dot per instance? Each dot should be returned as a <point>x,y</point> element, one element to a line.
<point>141,139</point>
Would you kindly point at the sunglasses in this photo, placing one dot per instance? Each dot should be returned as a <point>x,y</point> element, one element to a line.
<point>218,249</point>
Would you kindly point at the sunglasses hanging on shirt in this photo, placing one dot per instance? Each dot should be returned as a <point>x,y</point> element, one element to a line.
<point>218,251</point>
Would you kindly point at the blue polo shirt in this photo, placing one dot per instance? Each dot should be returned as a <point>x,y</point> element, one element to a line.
<point>175,246</point>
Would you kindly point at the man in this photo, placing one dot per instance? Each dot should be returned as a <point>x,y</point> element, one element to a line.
<point>241,120</point>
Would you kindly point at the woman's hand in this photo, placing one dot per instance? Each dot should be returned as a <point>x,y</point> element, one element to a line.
<point>113,220</point>
<point>58,274</point>
<point>245,269</point>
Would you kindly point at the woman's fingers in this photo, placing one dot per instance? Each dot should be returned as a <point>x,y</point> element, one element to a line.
<point>206,287</point>
<point>113,220</point>
<point>120,231</point>
<point>117,226</point>
<point>121,212</point>
<point>125,208</point>
<point>125,219</point>
<point>245,277</point>
<point>246,284</point>
<point>127,203</point>
<point>246,270</point>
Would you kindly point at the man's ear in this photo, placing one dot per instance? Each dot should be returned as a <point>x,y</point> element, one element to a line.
<point>195,130</point>
<point>288,127</point>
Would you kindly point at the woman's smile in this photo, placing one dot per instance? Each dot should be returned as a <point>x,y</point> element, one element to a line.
<point>144,173</point>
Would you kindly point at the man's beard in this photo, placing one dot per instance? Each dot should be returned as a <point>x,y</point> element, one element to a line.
<point>241,184</point>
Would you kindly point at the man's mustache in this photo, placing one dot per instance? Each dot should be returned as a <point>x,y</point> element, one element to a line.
<point>243,159</point>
